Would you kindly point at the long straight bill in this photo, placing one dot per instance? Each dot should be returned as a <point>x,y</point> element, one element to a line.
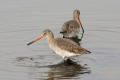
<point>35,40</point>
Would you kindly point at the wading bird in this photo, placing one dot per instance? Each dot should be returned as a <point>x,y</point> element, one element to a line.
<point>61,46</point>
<point>72,27</point>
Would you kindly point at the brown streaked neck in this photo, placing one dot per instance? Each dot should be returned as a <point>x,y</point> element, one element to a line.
<point>50,37</point>
<point>76,19</point>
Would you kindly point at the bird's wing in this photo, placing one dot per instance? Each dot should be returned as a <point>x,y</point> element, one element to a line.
<point>69,45</point>
<point>70,26</point>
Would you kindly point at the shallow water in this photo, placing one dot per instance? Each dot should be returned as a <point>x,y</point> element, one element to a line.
<point>22,21</point>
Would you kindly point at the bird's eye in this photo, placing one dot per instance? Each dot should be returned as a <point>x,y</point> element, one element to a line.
<point>44,33</point>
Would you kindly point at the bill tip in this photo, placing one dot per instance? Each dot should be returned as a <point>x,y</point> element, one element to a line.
<point>29,43</point>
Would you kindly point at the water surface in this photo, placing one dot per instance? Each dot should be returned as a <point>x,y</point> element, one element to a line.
<point>22,21</point>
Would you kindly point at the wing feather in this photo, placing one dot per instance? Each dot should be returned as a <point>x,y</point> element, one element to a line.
<point>70,26</point>
<point>69,45</point>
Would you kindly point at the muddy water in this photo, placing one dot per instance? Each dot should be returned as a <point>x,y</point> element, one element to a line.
<point>22,21</point>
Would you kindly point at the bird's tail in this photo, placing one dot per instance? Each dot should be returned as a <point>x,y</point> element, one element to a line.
<point>62,32</point>
<point>84,51</point>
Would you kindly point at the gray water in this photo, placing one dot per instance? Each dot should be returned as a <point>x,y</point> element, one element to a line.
<point>23,20</point>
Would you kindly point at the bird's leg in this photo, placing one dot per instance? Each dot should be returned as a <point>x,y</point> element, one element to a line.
<point>65,58</point>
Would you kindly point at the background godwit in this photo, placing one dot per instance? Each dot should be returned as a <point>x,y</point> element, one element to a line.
<point>72,27</point>
<point>61,46</point>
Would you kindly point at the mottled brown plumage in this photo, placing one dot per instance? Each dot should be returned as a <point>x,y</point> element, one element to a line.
<point>69,45</point>
<point>63,47</point>
<point>72,27</point>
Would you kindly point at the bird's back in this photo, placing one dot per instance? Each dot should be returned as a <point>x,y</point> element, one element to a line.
<point>70,46</point>
<point>70,26</point>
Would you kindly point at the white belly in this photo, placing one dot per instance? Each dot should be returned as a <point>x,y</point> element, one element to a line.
<point>70,34</point>
<point>64,53</point>
<point>61,52</point>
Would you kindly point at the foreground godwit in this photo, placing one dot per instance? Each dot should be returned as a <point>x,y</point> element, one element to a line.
<point>61,46</point>
<point>72,27</point>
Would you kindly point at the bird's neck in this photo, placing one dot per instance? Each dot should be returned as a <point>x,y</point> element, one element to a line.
<point>76,19</point>
<point>51,41</point>
<point>50,38</point>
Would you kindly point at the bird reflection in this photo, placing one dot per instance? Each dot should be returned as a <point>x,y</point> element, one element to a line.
<point>66,70</point>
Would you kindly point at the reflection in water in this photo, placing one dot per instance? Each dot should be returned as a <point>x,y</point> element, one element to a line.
<point>63,70</point>
<point>66,70</point>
